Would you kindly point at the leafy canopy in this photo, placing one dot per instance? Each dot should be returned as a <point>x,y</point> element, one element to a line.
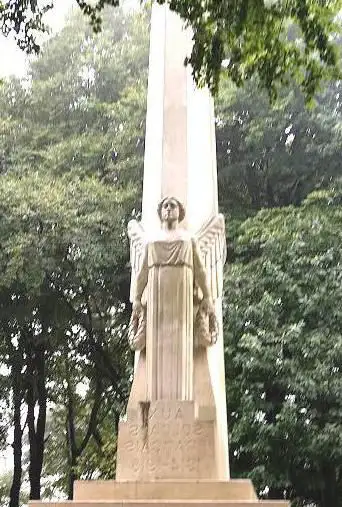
<point>71,153</point>
<point>275,155</point>
<point>283,351</point>
<point>275,40</point>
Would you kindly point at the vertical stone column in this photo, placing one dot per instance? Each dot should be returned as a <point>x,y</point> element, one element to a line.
<point>166,155</point>
<point>180,160</point>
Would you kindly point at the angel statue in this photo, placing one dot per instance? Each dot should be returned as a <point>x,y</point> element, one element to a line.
<point>173,292</point>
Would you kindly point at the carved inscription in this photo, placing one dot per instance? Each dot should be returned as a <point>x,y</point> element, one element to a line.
<point>168,411</point>
<point>179,414</point>
<point>168,448</point>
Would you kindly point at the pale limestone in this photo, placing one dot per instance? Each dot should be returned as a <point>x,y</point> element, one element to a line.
<point>237,489</point>
<point>180,160</point>
<point>171,443</point>
<point>173,322</point>
<point>172,291</point>
<point>162,503</point>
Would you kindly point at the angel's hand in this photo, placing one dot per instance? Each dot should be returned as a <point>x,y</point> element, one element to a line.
<point>137,308</point>
<point>213,327</point>
<point>207,306</point>
<point>135,316</point>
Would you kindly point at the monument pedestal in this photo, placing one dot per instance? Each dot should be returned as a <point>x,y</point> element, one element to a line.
<point>167,456</point>
<point>177,493</point>
<point>167,440</point>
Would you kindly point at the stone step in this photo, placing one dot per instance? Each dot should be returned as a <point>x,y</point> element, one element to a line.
<point>163,503</point>
<point>236,489</point>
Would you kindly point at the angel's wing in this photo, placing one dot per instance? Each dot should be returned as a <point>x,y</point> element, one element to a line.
<point>136,235</point>
<point>211,240</point>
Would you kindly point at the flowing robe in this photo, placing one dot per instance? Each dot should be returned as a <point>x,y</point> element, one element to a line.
<point>168,275</point>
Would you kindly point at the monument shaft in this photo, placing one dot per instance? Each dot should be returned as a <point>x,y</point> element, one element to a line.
<point>180,149</point>
<point>180,161</point>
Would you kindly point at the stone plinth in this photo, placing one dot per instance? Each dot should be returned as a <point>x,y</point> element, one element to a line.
<point>163,503</point>
<point>238,489</point>
<point>167,440</point>
<point>233,493</point>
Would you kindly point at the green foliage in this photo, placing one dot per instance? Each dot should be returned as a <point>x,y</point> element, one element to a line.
<point>283,321</point>
<point>273,40</point>
<point>93,11</point>
<point>5,486</point>
<point>23,18</point>
<point>251,39</point>
<point>95,99</point>
<point>71,153</point>
<point>44,220</point>
<point>274,156</point>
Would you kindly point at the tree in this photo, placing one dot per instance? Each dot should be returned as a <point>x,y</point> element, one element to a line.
<point>274,156</point>
<point>249,38</point>
<point>283,344</point>
<point>67,194</point>
<point>51,283</point>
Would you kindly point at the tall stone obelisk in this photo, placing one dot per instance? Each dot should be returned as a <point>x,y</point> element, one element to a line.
<point>180,161</point>
<point>180,150</point>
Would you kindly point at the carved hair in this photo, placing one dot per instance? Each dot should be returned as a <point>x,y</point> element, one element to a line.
<point>180,206</point>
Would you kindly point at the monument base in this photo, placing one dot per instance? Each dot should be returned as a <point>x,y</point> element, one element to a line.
<point>167,455</point>
<point>233,493</point>
<point>167,440</point>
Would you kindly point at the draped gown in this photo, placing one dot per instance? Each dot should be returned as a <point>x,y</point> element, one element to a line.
<point>168,275</point>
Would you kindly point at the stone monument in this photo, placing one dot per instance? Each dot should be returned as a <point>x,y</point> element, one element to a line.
<point>171,426</point>
<point>180,162</point>
<point>173,440</point>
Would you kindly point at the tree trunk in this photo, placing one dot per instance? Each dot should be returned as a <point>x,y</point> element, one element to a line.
<point>71,479</point>
<point>30,400</point>
<point>36,394</point>
<point>330,493</point>
<point>71,438</point>
<point>74,450</point>
<point>41,418</point>
<point>17,440</point>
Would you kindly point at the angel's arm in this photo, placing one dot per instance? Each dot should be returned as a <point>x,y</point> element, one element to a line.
<point>199,272</point>
<point>141,280</point>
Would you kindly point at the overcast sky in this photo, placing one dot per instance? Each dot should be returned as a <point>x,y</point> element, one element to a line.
<point>12,59</point>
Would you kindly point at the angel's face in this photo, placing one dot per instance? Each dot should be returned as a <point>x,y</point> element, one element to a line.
<point>170,211</point>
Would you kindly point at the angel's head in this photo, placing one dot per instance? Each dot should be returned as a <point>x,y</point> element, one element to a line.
<point>171,210</point>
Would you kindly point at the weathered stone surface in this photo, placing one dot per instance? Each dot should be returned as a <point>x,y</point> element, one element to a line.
<point>163,503</point>
<point>170,444</point>
<point>180,161</point>
<point>238,489</point>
